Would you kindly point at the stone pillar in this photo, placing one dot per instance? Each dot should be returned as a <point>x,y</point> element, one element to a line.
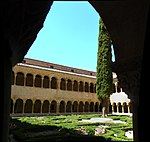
<point>14,78</point>
<point>122,105</point>
<point>24,101</point>
<point>129,80</point>
<point>129,111</point>
<point>58,84</point>
<point>117,108</point>
<point>42,79</point>
<point>112,108</point>
<point>5,87</point>
<point>41,107</point>
<point>34,80</point>
<point>57,107</point>
<point>66,84</point>
<point>78,85</point>
<point>33,106</point>
<point>116,89</point>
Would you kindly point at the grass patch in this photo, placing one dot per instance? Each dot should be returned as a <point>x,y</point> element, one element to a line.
<point>63,128</point>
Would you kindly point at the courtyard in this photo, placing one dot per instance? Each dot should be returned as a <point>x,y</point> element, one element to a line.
<point>89,127</point>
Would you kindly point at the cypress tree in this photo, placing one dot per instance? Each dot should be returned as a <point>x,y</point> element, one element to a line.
<point>104,79</point>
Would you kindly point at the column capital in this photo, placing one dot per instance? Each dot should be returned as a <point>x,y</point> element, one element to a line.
<point>129,75</point>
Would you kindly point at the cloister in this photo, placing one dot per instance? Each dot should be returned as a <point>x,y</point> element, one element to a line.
<point>38,89</point>
<point>128,25</point>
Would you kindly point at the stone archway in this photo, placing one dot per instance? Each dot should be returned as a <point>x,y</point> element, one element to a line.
<point>20,26</point>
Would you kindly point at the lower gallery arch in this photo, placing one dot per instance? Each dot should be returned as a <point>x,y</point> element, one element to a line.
<point>45,106</point>
<point>91,106</point>
<point>114,107</point>
<point>53,106</point>
<point>75,106</point>
<point>28,106</point>
<point>18,106</point>
<point>125,107</point>
<point>62,107</point>
<point>86,106</point>
<point>96,107</point>
<point>37,106</point>
<point>80,106</point>
<point>69,106</point>
<point>119,107</point>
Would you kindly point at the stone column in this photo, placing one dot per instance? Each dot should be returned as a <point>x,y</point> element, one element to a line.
<point>112,106</point>
<point>58,84</point>
<point>23,106</point>
<point>41,107</point>
<point>129,111</point>
<point>33,106</point>
<point>57,108</point>
<point>42,79</point>
<point>14,78</point>
<point>117,108</point>
<point>122,105</point>
<point>129,80</point>
<point>33,80</point>
<point>5,87</point>
<point>116,89</point>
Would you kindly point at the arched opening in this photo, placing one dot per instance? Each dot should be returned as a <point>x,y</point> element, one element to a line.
<point>69,85</point>
<point>37,106</point>
<point>68,106</point>
<point>91,106</point>
<point>81,106</point>
<point>77,32</point>
<point>45,106</point>
<point>119,107</point>
<point>20,79</point>
<point>86,87</point>
<point>63,84</point>
<point>96,107</point>
<point>125,107</point>
<point>53,106</point>
<point>81,86</point>
<point>115,107</point>
<point>46,82</point>
<point>62,107</point>
<point>18,106</point>
<point>54,83</point>
<point>75,106</point>
<point>91,88</point>
<point>86,107</point>
<point>28,106</point>
<point>75,86</point>
<point>38,81</point>
<point>29,80</point>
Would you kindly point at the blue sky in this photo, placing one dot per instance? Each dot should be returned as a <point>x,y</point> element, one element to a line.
<point>69,36</point>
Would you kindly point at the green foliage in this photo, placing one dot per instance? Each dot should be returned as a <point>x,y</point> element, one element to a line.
<point>46,129</point>
<point>104,80</point>
<point>90,130</point>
